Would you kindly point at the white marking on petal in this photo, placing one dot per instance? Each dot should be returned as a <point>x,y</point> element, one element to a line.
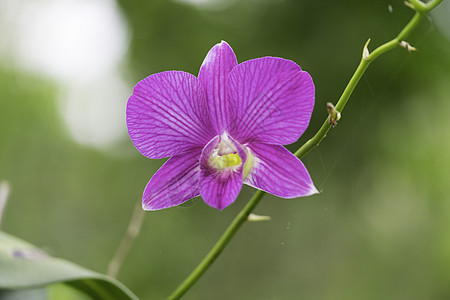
<point>313,190</point>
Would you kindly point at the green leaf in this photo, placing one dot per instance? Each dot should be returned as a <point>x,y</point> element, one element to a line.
<point>26,268</point>
<point>31,294</point>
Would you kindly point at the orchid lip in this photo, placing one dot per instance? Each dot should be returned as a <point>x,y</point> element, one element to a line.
<point>226,157</point>
<point>221,162</point>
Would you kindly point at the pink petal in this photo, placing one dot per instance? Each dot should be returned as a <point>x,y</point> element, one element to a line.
<point>214,71</point>
<point>167,114</point>
<point>278,172</point>
<point>271,101</point>
<point>174,183</point>
<point>220,188</point>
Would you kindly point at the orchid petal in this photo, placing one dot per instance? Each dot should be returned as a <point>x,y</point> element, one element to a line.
<point>279,172</point>
<point>214,71</point>
<point>271,100</point>
<point>174,183</point>
<point>167,114</point>
<point>220,188</point>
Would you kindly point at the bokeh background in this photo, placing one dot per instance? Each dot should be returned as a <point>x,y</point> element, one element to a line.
<point>380,229</point>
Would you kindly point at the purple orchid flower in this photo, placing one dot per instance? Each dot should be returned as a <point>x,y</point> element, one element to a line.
<point>223,129</point>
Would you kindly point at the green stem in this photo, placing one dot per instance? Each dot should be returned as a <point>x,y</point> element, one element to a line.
<point>421,10</point>
<point>132,231</point>
<point>362,67</point>
<point>218,247</point>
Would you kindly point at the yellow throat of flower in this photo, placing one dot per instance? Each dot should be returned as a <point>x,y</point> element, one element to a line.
<point>225,156</point>
<point>225,161</point>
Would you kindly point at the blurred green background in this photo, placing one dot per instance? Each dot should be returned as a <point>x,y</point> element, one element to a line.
<point>380,229</point>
